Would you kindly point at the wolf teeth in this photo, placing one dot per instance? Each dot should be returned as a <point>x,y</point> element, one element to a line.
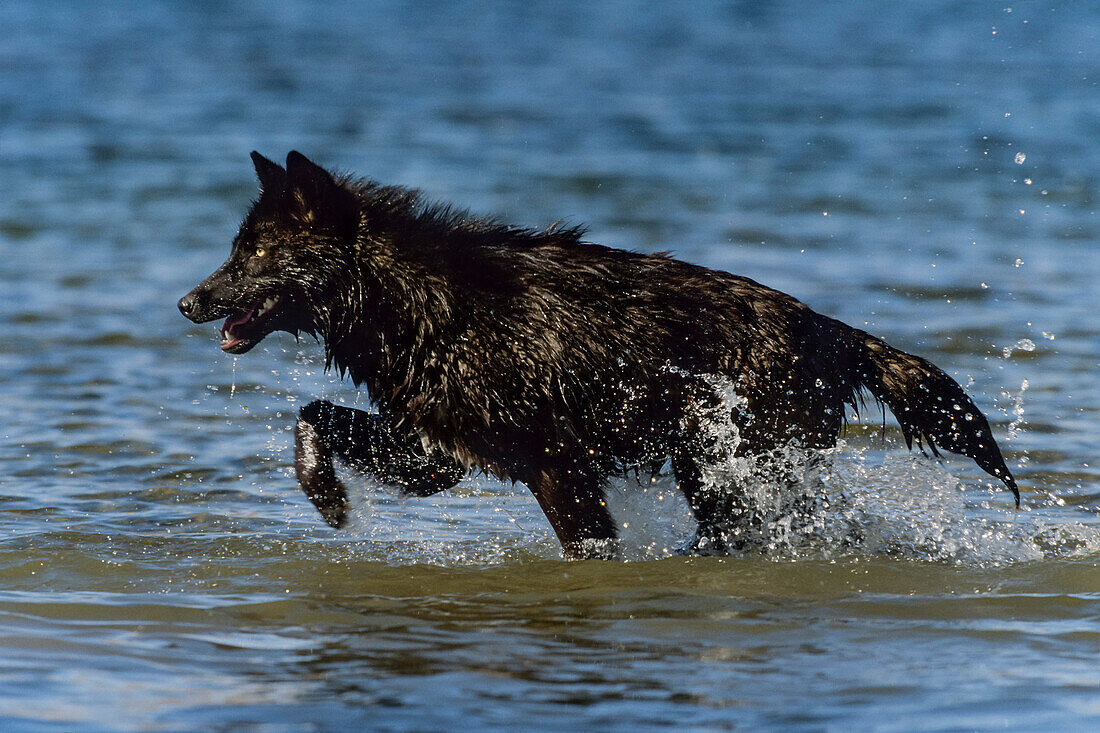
<point>268,304</point>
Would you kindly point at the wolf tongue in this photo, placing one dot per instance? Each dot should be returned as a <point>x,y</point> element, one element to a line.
<point>238,319</point>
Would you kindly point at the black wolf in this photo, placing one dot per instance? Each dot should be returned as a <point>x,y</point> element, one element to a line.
<point>536,357</point>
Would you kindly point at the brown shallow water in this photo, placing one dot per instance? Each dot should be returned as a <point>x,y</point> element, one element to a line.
<point>160,571</point>
<point>320,635</point>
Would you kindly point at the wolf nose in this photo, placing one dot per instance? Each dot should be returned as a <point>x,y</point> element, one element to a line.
<point>187,305</point>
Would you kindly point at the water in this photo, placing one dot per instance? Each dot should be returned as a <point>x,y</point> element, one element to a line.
<point>926,170</point>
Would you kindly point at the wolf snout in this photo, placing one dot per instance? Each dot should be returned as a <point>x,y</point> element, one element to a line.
<point>196,306</point>
<point>188,305</point>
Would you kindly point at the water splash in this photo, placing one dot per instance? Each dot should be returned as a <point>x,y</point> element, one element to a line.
<point>909,507</point>
<point>652,516</point>
<point>863,503</point>
<point>478,522</point>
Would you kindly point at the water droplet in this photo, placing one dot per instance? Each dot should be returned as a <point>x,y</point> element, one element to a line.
<point>1019,261</point>
<point>1020,158</point>
<point>1018,409</point>
<point>1021,345</point>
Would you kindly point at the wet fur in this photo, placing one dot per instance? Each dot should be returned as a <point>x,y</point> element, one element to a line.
<point>540,358</point>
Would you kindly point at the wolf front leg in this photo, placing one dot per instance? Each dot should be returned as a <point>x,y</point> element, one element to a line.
<point>366,442</point>
<point>573,501</point>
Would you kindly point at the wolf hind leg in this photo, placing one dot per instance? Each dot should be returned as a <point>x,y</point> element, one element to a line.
<point>778,499</point>
<point>709,507</point>
<point>367,443</point>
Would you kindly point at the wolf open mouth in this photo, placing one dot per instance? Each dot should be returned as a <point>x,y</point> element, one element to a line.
<point>246,328</point>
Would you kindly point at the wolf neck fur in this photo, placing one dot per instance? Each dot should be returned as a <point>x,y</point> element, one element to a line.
<point>406,299</point>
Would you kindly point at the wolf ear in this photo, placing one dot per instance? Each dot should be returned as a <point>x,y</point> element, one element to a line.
<point>301,169</point>
<point>271,175</point>
<point>319,200</point>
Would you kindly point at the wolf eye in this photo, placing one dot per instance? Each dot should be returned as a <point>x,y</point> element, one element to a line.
<point>261,252</point>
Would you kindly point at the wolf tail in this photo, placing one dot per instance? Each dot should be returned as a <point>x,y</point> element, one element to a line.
<point>930,405</point>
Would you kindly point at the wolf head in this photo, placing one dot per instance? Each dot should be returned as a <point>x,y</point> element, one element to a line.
<point>292,261</point>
